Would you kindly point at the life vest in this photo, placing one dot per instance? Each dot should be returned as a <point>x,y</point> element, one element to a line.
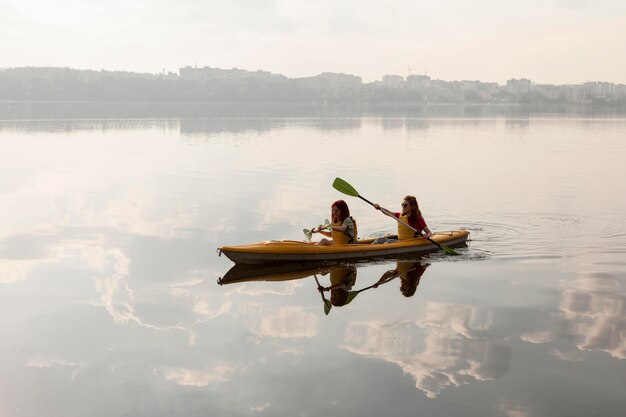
<point>342,275</point>
<point>404,232</point>
<point>343,238</point>
<point>404,267</point>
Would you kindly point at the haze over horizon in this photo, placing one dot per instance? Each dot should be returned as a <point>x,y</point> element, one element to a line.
<point>551,42</point>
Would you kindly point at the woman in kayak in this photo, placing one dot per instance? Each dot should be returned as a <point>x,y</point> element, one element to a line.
<point>343,228</point>
<point>410,214</point>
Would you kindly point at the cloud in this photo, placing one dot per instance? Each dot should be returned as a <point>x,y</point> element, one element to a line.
<point>514,408</point>
<point>259,408</point>
<point>44,363</point>
<point>197,378</point>
<point>14,270</point>
<point>593,309</point>
<point>448,347</point>
<point>537,337</point>
<point>288,323</point>
<point>288,289</point>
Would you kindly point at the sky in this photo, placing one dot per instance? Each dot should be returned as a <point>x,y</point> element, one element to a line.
<point>547,41</point>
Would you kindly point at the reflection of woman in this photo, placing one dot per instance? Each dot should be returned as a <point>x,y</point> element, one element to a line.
<point>409,273</point>
<point>342,279</point>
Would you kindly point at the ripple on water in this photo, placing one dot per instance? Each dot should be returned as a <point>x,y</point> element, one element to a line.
<point>546,236</point>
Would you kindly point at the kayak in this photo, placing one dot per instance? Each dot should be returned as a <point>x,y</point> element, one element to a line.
<point>276,251</point>
<point>275,272</point>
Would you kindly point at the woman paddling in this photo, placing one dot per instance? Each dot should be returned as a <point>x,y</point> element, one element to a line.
<point>343,228</point>
<point>411,215</point>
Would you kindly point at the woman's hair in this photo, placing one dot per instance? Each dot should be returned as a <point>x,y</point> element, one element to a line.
<point>414,210</point>
<point>409,284</point>
<point>338,297</point>
<point>344,211</point>
<point>411,279</point>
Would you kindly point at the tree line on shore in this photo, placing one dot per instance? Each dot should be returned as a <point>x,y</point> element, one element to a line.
<point>66,84</point>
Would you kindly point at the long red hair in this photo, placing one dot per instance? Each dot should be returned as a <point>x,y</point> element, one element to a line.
<point>344,211</point>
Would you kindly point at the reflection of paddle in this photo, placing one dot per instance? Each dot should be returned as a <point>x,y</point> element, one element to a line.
<point>394,273</point>
<point>344,187</point>
<point>327,304</point>
<point>309,233</point>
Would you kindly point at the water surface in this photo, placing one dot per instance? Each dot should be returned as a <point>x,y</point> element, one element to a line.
<point>109,301</point>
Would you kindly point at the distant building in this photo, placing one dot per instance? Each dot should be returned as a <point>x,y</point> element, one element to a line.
<point>521,86</point>
<point>549,92</point>
<point>393,81</point>
<point>573,94</point>
<point>329,81</point>
<point>339,80</point>
<point>418,81</point>
<point>599,89</point>
<point>469,85</point>
<point>490,88</point>
<point>620,90</point>
<point>208,73</point>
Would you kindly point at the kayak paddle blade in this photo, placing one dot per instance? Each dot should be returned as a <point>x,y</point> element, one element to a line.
<point>327,307</point>
<point>449,251</point>
<point>351,296</point>
<point>343,187</point>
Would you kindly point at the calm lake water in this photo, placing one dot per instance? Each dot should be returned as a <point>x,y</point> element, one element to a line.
<point>109,296</point>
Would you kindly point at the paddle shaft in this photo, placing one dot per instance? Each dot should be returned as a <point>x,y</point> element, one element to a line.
<point>381,283</point>
<point>327,304</point>
<point>415,230</point>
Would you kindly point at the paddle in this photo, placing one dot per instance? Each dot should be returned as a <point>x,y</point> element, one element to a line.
<point>309,233</point>
<point>383,280</point>
<point>344,187</point>
<point>327,304</point>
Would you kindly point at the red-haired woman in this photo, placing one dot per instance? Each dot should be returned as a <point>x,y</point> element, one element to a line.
<point>343,228</point>
<point>410,214</point>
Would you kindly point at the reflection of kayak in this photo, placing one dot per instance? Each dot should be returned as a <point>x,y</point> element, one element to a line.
<point>294,251</point>
<point>272,272</point>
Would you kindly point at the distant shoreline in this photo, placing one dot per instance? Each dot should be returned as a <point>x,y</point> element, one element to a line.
<point>235,86</point>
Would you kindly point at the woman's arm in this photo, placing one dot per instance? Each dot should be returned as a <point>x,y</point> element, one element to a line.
<point>384,210</point>
<point>320,230</point>
<point>422,225</point>
<point>387,276</point>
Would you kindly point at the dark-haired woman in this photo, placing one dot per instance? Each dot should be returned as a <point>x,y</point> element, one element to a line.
<point>343,227</point>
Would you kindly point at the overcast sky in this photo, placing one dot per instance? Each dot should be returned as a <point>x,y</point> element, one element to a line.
<point>547,41</point>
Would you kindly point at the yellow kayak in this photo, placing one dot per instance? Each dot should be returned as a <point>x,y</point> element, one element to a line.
<point>275,272</point>
<point>275,251</point>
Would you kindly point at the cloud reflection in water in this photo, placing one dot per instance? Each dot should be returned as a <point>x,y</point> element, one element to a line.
<point>593,309</point>
<point>448,347</point>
